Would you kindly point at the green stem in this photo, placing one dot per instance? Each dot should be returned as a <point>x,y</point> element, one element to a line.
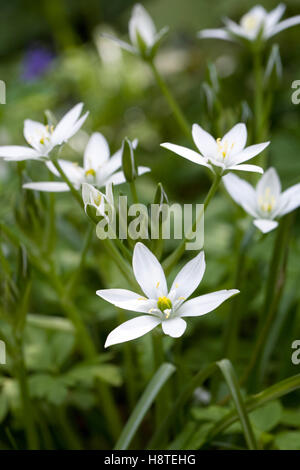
<point>184,125</point>
<point>174,257</point>
<point>134,192</point>
<point>272,297</point>
<point>233,322</point>
<point>89,350</point>
<point>158,358</point>
<point>27,408</point>
<point>158,438</point>
<point>258,94</point>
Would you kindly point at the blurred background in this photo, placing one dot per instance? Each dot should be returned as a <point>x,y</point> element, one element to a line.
<point>52,56</point>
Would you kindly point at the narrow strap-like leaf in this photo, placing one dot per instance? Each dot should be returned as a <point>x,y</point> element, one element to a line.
<point>233,385</point>
<point>256,401</point>
<point>143,405</point>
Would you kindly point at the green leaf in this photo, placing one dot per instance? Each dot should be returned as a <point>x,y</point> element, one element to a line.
<point>50,322</point>
<point>143,405</point>
<point>209,413</point>
<point>87,373</point>
<point>47,387</point>
<point>289,440</point>
<point>267,417</point>
<point>256,401</point>
<point>4,406</point>
<point>232,382</point>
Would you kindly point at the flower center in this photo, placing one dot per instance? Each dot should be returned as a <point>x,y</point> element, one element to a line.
<point>250,22</point>
<point>267,201</point>
<point>91,172</point>
<point>223,147</point>
<point>165,305</point>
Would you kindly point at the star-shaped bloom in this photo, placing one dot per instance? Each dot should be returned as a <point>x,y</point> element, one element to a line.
<point>254,25</point>
<point>142,33</point>
<point>266,202</point>
<point>99,168</point>
<point>161,306</point>
<point>221,155</point>
<point>43,138</point>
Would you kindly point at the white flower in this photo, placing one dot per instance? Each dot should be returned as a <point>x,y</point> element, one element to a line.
<point>162,307</point>
<point>221,155</point>
<point>92,197</point>
<point>266,202</point>
<point>255,24</point>
<point>99,168</point>
<point>43,138</point>
<point>142,33</point>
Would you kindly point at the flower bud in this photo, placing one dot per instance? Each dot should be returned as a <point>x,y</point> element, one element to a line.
<point>128,161</point>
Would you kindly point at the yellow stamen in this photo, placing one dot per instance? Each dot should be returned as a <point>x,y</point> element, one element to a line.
<point>164,303</point>
<point>90,172</point>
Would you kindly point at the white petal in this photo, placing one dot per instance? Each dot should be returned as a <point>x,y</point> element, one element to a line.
<point>48,186</point>
<point>290,199</point>
<point>205,303</point>
<point>96,152</point>
<point>34,132</point>
<point>132,329</point>
<point>18,153</point>
<point>189,277</point>
<point>186,153</point>
<point>236,138</point>
<point>115,179</point>
<point>215,34</point>
<point>295,20</point>
<point>236,29</point>
<point>241,192</point>
<point>244,167</point>
<point>124,45</point>
<point>249,152</point>
<point>127,300</point>
<point>205,142</point>
<point>265,225</point>
<point>73,171</point>
<point>142,23</point>
<point>174,327</point>
<point>113,163</point>
<point>65,128</point>
<point>271,182</point>
<point>273,17</point>
<point>148,272</point>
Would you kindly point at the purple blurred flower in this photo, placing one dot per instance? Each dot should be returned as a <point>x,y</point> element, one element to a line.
<point>37,61</point>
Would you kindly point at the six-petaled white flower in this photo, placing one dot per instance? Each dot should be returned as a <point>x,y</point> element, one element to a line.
<point>142,33</point>
<point>99,168</point>
<point>162,306</point>
<point>43,138</point>
<point>255,24</point>
<point>266,202</point>
<point>221,155</point>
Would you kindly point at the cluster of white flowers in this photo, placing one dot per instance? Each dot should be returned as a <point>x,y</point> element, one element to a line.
<point>265,203</point>
<point>257,24</point>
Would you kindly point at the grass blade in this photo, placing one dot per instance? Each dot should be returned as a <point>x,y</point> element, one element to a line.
<point>232,383</point>
<point>143,405</point>
<point>252,403</point>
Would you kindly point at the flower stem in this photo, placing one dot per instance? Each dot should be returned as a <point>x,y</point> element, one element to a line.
<point>233,322</point>
<point>184,125</point>
<point>272,297</point>
<point>258,94</point>
<point>174,257</point>
<point>134,192</point>
<point>28,411</point>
